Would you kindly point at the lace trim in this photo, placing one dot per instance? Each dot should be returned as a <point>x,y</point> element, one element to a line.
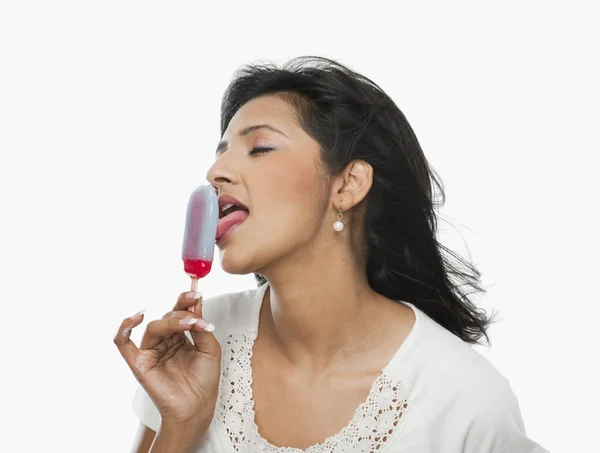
<point>374,425</point>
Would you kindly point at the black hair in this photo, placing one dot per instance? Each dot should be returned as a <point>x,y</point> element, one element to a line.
<point>352,118</point>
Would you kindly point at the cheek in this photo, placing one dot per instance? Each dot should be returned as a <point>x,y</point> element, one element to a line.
<point>289,207</point>
<point>298,189</point>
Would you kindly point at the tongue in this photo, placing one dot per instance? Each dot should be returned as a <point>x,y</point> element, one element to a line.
<point>237,215</point>
<point>229,220</point>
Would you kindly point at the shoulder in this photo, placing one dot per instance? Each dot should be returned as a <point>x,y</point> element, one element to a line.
<point>440,368</point>
<point>233,312</point>
<point>450,379</point>
<point>437,356</point>
<point>465,371</point>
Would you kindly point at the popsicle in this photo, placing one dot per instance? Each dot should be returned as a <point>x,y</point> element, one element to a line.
<point>200,232</point>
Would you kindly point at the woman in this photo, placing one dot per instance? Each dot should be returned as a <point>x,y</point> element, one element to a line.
<point>358,336</point>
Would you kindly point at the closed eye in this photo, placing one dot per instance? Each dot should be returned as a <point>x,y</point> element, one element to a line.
<point>260,150</point>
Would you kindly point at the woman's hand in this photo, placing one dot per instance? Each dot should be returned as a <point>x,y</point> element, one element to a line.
<point>182,379</point>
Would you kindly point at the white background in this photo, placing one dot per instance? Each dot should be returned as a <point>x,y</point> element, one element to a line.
<point>109,118</point>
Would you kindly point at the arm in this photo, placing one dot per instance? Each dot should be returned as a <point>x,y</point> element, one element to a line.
<point>153,436</point>
<point>168,440</point>
<point>143,439</point>
<point>179,438</point>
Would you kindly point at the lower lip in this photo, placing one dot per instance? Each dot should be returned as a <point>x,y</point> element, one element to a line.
<point>229,230</point>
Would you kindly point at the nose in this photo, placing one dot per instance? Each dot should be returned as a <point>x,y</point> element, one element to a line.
<point>221,174</point>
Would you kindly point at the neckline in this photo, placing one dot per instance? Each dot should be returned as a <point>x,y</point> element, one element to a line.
<point>397,358</point>
<point>386,372</point>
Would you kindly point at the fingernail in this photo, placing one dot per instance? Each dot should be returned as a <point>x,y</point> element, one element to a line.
<point>139,313</point>
<point>205,325</point>
<point>193,295</point>
<point>188,321</point>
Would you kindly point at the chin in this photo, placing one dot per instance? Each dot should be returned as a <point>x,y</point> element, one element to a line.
<point>245,252</point>
<point>239,263</point>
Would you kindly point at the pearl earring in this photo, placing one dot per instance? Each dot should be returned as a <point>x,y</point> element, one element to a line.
<point>339,226</point>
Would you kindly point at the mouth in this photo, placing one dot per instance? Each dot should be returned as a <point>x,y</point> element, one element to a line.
<point>232,213</point>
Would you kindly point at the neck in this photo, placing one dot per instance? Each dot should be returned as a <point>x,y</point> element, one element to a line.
<point>324,315</point>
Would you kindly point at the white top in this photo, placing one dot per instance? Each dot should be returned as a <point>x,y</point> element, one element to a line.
<point>437,395</point>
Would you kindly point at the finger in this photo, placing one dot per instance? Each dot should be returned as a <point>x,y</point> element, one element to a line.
<point>204,339</point>
<point>122,340</point>
<point>201,331</point>
<point>197,309</point>
<point>187,300</point>
<point>157,330</point>
<point>180,314</point>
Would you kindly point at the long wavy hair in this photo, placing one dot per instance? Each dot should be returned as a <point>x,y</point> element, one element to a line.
<point>352,118</point>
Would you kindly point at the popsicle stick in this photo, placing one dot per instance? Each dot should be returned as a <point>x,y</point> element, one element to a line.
<point>194,288</point>
<point>193,307</point>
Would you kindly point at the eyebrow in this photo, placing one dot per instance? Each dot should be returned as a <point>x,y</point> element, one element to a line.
<point>224,144</point>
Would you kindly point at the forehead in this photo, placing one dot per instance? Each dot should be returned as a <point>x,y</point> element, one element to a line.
<point>269,109</point>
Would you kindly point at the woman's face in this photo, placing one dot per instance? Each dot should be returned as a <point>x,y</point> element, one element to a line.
<point>285,189</point>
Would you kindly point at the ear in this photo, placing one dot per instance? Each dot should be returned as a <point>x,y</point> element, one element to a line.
<point>352,185</point>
